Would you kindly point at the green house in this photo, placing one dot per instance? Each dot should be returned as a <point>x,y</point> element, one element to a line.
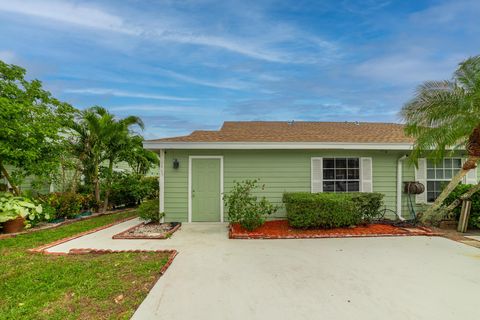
<point>195,170</point>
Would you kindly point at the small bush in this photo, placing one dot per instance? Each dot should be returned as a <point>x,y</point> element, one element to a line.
<point>149,210</point>
<point>330,210</point>
<point>66,204</point>
<point>474,220</point>
<point>368,203</point>
<point>245,208</point>
<point>130,189</point>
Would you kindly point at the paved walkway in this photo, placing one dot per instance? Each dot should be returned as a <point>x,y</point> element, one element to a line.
<point>363,278</point>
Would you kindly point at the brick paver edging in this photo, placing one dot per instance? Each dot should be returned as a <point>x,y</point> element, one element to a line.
<point>63,223</point>
<point>42,249</point>
<point>125,235</point>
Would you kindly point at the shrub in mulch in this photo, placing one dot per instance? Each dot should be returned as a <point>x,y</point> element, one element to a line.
<point>151,230</point>
<point>279,229</point>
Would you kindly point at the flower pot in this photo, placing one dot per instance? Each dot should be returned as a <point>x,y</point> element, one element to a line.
<point>13,226</point>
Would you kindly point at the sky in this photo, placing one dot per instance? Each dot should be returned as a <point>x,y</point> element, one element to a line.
<point>184,65</point>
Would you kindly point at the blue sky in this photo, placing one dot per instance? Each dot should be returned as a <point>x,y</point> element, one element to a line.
<point>186,65</point>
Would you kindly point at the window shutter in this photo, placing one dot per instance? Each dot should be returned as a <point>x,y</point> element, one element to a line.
<point>471,177</point>
<point>366,181</point>
<point>421,176</point>
<point>316,175</point>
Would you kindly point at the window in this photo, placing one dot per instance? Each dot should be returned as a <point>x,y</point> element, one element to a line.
<point>439,174</point>
<point>341,174</point>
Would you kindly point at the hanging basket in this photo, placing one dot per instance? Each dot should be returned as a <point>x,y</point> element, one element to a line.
<point>413,187</point>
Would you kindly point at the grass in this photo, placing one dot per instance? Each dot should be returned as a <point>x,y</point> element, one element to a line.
<point>34,286</point>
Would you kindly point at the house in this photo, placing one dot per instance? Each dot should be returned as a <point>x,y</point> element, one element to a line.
<point>293,156</point>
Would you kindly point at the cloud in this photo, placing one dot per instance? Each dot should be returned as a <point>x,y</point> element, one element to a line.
<point>68,12</point>
<point>225,84</point>
<point>267,48</point>
<point>128,94</point>
<point>406,69</point>
<point>158,108</point>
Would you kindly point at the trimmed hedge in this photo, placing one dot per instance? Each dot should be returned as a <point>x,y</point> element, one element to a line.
<point>331,210</point>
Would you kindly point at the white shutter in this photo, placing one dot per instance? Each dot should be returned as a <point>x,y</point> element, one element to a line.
<point>471,177</point>
<point>366,181</point>
<point>316,177</point>
<point>421,176</point>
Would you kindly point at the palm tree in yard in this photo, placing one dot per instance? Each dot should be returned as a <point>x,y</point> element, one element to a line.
<point>117,142</point>
<point>101,137</point>
<point>445,115</point>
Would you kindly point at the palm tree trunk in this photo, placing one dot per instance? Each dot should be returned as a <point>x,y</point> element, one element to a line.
<point>432,214</point>
<point>7,176</point>
<point>96,182</point>
<point>109,185</point>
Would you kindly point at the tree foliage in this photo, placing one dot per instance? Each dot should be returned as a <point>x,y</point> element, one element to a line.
<point>444,116</point>
<point>31,126</point>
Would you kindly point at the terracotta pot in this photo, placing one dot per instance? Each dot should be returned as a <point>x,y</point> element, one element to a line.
<point>13,226</point>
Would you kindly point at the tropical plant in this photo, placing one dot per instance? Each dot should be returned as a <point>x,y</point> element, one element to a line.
<point>31,127</point>
<point>245,208</point>
<point>12,207</point>
<point>101,137</point>
<point>139,159</point>
<point>444,116</point>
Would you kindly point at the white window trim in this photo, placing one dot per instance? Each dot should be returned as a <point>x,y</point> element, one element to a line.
<point>444,180</point>
<point>323,168</point>
<point>190,158</point>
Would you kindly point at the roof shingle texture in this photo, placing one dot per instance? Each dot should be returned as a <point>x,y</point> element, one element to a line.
<point>283,131</point>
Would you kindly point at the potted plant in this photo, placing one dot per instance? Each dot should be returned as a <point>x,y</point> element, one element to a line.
<point>17,213</point>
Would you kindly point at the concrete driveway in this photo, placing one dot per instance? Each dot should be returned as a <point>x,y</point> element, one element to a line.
<point>363,278</point>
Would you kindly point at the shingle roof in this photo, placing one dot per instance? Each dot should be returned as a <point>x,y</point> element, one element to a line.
<point>301,131</point>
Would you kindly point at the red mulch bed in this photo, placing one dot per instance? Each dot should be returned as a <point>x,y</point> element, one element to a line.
<point>279,229</point>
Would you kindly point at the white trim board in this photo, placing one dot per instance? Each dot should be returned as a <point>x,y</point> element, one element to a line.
<point>151,145</point>
<point>190,158</point>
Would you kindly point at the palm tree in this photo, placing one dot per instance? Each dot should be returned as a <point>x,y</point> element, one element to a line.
<point>116,140</point>
<point>444,116</point>
<point>139,159</point>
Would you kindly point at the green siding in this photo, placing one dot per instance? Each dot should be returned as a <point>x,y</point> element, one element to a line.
<point>279,170</point>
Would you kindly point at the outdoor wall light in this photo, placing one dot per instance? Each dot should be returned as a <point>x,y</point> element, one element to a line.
<point>176,164</point>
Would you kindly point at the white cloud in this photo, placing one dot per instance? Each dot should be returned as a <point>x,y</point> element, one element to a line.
<point>129,94</point>
<point>68,12</point>
<point>176,30</point>
<point>407,68</point>
<point>157,108</point>
<point>225,84</point>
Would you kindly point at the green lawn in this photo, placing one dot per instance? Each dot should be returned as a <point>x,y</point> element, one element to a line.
<point>35,286</point>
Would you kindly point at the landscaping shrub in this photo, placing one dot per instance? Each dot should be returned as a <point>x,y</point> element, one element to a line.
<point>245,208</point>
<point>474,220</point>
<point>330,210</point>
<point>66,204</point>
<point>130,189</point>
<point>149,210</point>
<point>368,203</point>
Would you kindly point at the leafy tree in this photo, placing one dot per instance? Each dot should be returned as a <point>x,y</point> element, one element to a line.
<point>446,114</point>
<point>31,126</point>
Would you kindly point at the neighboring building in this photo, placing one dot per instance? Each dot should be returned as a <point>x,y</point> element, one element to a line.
<point>292,156</point>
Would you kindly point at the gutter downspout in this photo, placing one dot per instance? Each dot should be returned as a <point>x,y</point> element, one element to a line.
<point>399,186</point>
